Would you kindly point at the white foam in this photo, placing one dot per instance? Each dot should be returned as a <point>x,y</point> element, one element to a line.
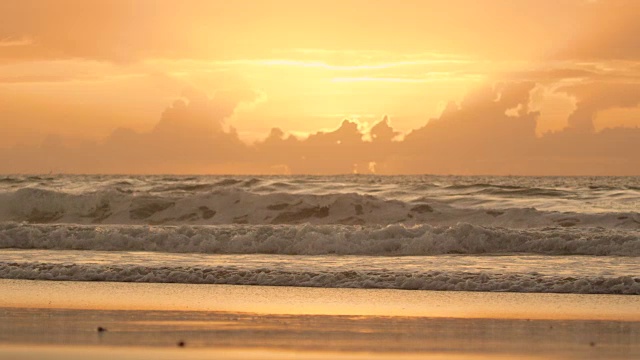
<point>239,206</point>
<point>373,217</point>
<point>311,239</point>
<point>426,280</point>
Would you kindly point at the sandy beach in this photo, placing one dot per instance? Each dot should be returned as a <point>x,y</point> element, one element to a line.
<point>51,319</point>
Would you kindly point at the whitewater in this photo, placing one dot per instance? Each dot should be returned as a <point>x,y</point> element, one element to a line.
<point>471,233</point>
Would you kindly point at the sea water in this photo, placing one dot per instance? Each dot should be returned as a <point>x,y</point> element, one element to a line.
<point>518,234</point>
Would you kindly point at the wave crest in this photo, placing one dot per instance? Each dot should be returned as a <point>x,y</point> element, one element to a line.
<point>428,280</point>
<point>240,206</point>
<point>307,239</point>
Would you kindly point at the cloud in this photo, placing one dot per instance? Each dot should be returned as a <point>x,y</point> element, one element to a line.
<point>11,41</point>
<point>127,31</point>
<point>118,31</point>
<point>29,79</point>
<point>189,137</point>
<point>609,32</point>
<point>491,131</point>
<point>594,98</point>
<point>478,135</point>
<point>549,75</point>
<point>198,115</point>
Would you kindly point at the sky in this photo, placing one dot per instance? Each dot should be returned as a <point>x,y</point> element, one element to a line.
<point>503,87</point>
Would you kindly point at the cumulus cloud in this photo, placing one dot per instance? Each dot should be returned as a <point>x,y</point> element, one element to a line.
<point>491,131</point>
<point>594,98</point>
<point>190,137</point>
<point>473,137</point>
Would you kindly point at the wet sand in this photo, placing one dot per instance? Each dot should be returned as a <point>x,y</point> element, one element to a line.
<point>51,319</point>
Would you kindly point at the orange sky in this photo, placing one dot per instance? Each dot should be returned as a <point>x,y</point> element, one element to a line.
<point>77,75</point>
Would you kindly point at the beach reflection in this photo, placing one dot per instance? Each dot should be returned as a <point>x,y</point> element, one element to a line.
<point>316,301</point>
<point>59,333</point>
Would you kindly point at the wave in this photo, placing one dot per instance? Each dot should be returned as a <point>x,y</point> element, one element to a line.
<point>525,192</point>
<point>483,185</point>
<point>240,206</point>
<point>307,239</point>
<point>428,280</point>
<point>511,190</point>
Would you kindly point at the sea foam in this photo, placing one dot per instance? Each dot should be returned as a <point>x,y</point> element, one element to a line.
<point>427,280</point>
<point>240,206</point>
<point>308,239</point>
<point>545,226</point>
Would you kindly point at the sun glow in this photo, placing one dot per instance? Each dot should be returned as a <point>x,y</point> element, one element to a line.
<point>249,67</point>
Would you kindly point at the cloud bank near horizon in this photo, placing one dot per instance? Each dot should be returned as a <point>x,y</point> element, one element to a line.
<point>491,131</point>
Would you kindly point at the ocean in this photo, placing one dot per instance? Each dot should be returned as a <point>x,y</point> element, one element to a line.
<point>453,233</point>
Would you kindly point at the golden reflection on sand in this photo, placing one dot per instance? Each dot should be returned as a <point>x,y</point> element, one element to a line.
<point>318,301</point>
<point>99,353</point>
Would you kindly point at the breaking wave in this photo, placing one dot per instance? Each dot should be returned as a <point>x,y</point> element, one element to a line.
<point>308,239</point>
<point>428,280</point>
<point>241,206</point>
<point>384,220</point>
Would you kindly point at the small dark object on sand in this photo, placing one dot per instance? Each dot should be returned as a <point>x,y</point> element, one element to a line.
<point>592,343</point>
<point>181,343</point>
<point>101,329</point>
